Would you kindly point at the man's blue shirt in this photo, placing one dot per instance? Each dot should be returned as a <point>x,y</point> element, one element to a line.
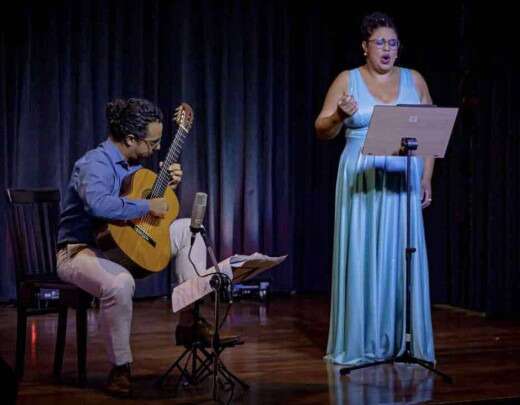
<point>93,194</point>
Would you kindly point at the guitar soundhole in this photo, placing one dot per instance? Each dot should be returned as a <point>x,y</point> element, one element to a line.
<point>146,193</point>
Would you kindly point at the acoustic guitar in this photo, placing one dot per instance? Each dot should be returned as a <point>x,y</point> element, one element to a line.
<point>142,245</point>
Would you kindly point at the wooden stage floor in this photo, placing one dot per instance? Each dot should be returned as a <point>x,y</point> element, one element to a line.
<point>281,359</point>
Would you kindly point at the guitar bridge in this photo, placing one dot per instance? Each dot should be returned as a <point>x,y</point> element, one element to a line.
<point>142,233</point>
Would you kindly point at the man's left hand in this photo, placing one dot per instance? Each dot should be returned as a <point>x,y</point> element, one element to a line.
<point>175,172</point>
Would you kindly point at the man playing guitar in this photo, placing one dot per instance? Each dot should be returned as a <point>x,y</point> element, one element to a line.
<point>93,195</point>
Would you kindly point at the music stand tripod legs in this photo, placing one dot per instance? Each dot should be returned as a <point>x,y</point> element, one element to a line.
<point>407,146</point>
<point>201,360</point>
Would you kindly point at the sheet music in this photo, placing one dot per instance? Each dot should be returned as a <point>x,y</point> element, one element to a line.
<point>247,267</point>
<point>238,267</point>
<point>195,288</point>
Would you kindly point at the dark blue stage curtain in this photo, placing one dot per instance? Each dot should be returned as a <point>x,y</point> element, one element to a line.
<point>256,73</point>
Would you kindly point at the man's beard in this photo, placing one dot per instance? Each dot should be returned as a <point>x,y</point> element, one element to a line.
<point>136,161</point>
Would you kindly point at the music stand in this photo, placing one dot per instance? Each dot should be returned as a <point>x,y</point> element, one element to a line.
<point>216,280</point>
<point>408,130</point>
<point>205,360</point>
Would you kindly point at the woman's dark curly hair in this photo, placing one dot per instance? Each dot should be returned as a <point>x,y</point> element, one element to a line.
<point>373,21</point>
<point>131,116</point>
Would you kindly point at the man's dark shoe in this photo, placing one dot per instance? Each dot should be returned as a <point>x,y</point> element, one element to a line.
<point>199,332</point>
<point>119,383</point>
<point>202,332</point>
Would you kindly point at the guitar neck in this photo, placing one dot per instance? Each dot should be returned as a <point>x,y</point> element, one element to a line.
<point>174,153</point>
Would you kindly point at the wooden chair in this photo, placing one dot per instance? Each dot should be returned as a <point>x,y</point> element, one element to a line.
<point>33,217</point>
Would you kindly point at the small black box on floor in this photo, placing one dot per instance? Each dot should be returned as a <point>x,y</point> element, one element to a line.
<point>256,289</point>
<point>46,297</point>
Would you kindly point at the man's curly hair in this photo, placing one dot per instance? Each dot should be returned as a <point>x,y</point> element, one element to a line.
<point>131,117</point>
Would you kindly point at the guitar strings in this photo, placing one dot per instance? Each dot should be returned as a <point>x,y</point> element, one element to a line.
<point>161,182</point>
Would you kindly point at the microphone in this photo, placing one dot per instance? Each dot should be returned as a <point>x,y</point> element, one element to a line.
<point>219,281</point>
<point>197,212</point>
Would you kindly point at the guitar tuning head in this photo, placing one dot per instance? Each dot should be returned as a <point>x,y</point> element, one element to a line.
<point>183,116</point>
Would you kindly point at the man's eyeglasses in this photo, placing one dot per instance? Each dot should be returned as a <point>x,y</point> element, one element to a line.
<point>393,43</point>
<point>151,144</point>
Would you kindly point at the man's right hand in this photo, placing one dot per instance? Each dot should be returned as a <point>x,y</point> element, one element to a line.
<point>158,207</point>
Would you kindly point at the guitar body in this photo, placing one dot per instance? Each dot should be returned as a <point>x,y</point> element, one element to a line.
<point>142,245</point>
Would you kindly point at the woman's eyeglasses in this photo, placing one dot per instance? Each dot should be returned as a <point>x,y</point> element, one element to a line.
<point>393,43</point>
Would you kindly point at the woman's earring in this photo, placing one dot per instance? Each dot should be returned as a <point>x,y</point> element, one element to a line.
<point>364,53</point>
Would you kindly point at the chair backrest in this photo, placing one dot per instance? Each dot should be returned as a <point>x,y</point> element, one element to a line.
<point>33,217</point>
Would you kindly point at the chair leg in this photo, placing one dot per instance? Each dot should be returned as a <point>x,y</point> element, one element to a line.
<point>60,341</point>
<point>21,335</point>
<point>81,342</point>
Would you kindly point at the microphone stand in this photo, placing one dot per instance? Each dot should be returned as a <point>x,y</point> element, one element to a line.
<point>221,285</point>
<point>210,363</point>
